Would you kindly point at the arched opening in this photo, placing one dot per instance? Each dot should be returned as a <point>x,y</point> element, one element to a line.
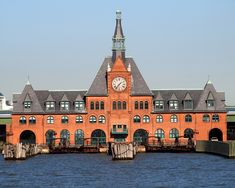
<point>50,137</point>
<point>65,136</point>
<point>216,134</point>
<point>141,136</point>
<point>79,137</point>
<point>188,133</point>
<point>98,136</point>
<point>27,137</point>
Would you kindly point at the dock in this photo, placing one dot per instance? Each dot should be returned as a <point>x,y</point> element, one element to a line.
<point>226,149</point>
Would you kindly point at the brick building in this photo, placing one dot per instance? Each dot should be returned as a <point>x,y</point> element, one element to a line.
<point>118,106</point>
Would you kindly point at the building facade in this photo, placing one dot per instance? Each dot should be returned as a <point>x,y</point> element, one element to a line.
<point>5,117</point>
<point>118,107</point>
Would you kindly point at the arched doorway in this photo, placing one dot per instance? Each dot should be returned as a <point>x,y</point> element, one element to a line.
<point>141,136</point>
<point>216,134</point>
<point>188,133</point>
<point>65,136</point>
<point>79,137</point>
<point>50,137</point>
<point>98,136</point>
<point>27,137</point>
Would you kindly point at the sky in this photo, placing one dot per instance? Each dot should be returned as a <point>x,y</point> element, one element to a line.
<point>62,44</point>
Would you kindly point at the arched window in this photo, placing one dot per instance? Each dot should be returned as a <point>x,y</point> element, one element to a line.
<point>124,105</point>
<point>32,120</point>
<point>64,119</point>
<point>92,119</point>
<point>137,119</point>
<point>159,133</point>
<point>92,106</point>
<point>79,137</point>
<point>22,120</point>
<point>146,119</point>
<point>119,105</point>
<point>136,105</point>
<point>114,105</point>
<point>79,119</point>
<point>215,118</point>
<point>174,119</point>
<point>188,118</point>
<point>188,133</point>
<point>101,105</point>
<point>206,118</point>
<point>146,105</point>
<point>141,105</point>
<point>97,105</point>
<point>102,119</point>
<point>65,136</point>
<point>50,119</point>
<point>174,133</point>
<point>159,119</point>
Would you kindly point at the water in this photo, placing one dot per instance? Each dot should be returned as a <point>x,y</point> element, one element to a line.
<point>98,170</point>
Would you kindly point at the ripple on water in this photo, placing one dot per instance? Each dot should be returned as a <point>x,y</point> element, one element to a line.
<point>96,170</point>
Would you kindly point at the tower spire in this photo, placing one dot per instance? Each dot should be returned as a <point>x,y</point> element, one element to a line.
<point>118,39</point>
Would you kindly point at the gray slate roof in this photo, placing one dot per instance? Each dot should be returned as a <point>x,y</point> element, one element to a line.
<point>199,98</point>
<point>40,97</point>
<point>99,85</point>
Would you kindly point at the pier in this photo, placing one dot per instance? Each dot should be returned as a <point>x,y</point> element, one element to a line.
<point>226,149</point>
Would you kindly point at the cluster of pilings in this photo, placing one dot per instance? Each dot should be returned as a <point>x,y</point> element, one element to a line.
<point>123,151</point>
<point>20,151</point>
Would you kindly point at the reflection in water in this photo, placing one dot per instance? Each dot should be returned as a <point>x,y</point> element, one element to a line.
<point>98,170</point>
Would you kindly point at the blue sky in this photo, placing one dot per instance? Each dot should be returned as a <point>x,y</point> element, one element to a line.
<point>61,44</point>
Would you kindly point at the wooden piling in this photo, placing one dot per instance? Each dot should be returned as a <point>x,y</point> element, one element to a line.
<point>123,151</point>
<point>20,151</point>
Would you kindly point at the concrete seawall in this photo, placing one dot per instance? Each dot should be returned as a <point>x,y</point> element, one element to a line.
<point>226,149</point>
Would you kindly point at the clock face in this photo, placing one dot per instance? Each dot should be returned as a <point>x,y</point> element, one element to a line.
<point>119,84</point>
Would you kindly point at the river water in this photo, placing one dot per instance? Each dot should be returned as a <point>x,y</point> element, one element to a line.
<point>98,170</point>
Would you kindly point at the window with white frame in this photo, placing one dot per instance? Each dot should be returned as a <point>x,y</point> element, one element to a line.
<point>32,120</point>
<point>146,119</point>
<point>64,119</point>
<point>159,119</point>
<point>173,105</point>
<point>92,119</point>
<point>102,119</point>
<point>159,105</point>
<point>79,119</point>
<point>79,105</point>
<point>50,119</point>
<point>50,105</point>
<point>64,105</point>
<point>174,119</point>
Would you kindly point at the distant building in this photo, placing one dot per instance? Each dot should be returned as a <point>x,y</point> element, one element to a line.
<point>231,122</point>
<point>5,116</point>
<point>118,107</point>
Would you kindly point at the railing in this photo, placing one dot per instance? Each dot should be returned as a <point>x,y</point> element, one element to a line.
<point>119,131</point>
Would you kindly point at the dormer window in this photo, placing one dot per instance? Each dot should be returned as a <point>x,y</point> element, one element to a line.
<point>159,105</point>
<point>173,105</point>
<point>188,104</point>
<point>79,105</point>
<point>64,105</point>
<point>50,105</point>
<point>27,104</point>
<point>210,103</point>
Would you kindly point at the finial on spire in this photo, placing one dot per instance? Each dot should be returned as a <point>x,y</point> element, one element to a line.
<point>129,68</point>
<point>109,68</point>
<point>28,82</point>
<point>209,80</point>
<point>118,14</point>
